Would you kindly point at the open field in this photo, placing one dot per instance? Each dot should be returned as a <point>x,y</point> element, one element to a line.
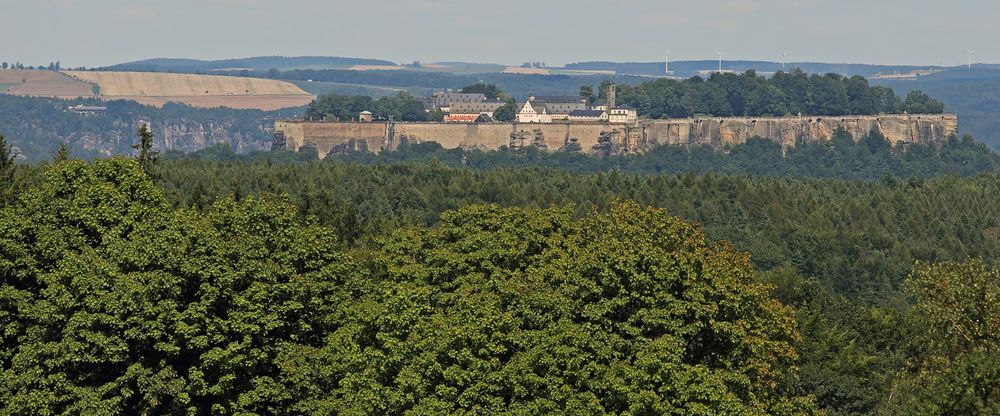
<point>155,84</point>
<point>376,68</point>
<point>43,84</point>
<point>525,71</point>
<point>206,91</point>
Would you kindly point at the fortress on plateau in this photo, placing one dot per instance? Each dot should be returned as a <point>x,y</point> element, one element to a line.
<point>602,138</point>
<point>566,124</point>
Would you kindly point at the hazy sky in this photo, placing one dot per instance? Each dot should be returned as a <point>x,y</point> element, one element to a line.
<point>103,32</point>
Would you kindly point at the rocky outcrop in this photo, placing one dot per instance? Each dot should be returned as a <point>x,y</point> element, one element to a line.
<point>603,139</point>
<point>181,135</point>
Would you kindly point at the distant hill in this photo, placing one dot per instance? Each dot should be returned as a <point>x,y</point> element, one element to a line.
<point>690,68</point>
<point>260,63</point>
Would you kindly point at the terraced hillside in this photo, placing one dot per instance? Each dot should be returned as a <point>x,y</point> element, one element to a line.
<point>196,90</point>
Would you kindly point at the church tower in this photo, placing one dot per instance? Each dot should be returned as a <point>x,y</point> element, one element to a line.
<point>611,96</point>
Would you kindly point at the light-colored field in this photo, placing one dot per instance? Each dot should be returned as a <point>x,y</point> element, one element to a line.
<point>43,84</point>
<point>583,72</point>
<point>376,68</point>
<point>525,71</point>
<point>205,91</point>
<point>156,84</point>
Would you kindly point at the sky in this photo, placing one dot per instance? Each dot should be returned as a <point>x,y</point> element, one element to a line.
<point>105,32</point>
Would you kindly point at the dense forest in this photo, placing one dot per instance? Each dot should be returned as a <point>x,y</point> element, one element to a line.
<point>265,284</point>
<point>785,93</point>
<point>871,157</point>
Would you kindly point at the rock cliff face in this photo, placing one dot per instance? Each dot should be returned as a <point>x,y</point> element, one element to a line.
<point>602,139</point>
<point>182,135</point>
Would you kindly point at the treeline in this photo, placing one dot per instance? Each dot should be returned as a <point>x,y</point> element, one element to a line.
<point>198,295</point>
<point>785,93</point>
<point>402,107</point>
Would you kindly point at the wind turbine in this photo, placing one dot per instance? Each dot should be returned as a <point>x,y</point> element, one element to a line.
<point>720,60</point>
<point>970,52</point>
<point>668,61</point>
<point>784,58</point>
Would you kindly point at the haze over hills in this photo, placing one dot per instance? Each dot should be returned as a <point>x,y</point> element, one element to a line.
<point>258,63</point>
<point>681,68</point>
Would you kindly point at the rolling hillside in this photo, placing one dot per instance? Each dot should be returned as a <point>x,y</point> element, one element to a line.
<point>259,63</point>
<point>42,84</point>
<point>206,91</point>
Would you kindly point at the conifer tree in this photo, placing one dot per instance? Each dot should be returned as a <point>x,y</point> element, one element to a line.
<point>147,157</point>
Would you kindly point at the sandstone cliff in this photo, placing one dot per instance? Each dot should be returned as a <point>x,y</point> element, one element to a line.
<point>601,139</point>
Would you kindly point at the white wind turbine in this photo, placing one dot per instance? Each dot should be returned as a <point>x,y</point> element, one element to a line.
<point>668,61</point>
<point>720,60</point>
<point>970,52</point>
<point>784,58</point>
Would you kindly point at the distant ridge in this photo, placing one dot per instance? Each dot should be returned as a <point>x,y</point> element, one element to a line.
<point>259,63</point>
<point>690,68</point>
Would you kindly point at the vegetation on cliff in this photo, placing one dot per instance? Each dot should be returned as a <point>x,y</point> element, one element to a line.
<point>786,93</point>
<point>402,107</point>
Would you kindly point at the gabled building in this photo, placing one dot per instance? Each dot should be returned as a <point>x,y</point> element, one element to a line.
<point>534,112</point>
<point>541,109</point>
<point>623,115</point>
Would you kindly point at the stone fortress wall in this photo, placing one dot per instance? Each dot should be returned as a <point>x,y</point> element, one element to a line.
<point>602,138</point>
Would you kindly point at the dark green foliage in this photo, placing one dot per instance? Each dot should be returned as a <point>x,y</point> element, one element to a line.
<point>147,156</point>
<point>859,238</point>
<point>198,295</point>
<point>491,91</point>
<point>506,113</point>
<point>786,93</point>
<point>333,107</point>
<point>526,311</point>
<point>62,154</point>
<point>872,158</point>
<point>111,303</point>
<point>955,340</point>
<point>8,168</point>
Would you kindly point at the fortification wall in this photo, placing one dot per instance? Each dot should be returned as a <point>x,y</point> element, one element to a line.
<point>599,138</point>
<point>492,136</point>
